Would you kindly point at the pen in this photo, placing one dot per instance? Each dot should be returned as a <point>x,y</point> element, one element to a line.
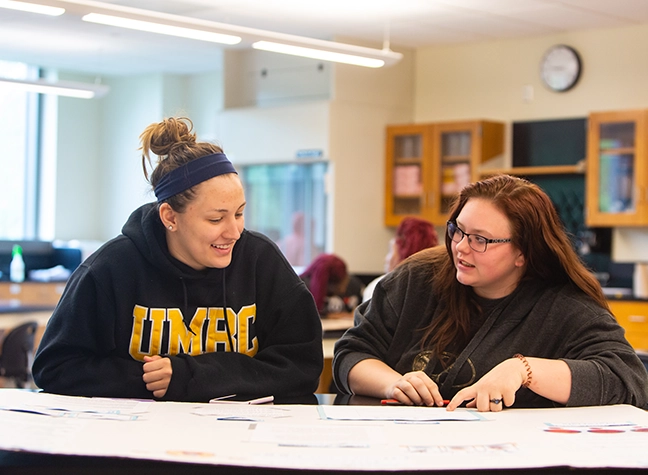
<point>396,402</point>
<point>261,400</point>
<point>216,399</point>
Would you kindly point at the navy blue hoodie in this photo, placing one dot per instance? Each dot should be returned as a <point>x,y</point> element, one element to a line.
<point>131,298</point>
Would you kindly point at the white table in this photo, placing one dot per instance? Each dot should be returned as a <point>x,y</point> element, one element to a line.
<point>301,439</point>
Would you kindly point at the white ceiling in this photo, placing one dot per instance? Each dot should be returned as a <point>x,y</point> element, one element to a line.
<point>65,42</point>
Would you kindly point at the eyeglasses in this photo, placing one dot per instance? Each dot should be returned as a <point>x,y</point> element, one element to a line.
<point>475,241</point>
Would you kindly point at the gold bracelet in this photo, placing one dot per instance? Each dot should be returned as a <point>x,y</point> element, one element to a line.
<point>526,383</point>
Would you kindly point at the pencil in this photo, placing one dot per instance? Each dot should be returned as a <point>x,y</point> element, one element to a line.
<point>396,402</point>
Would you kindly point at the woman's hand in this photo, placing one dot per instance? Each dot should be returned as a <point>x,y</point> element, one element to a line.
<point>551,379</point>
<point>495,389</point>
<point>415,388</point>
<point>372,377</point>
<point>157,374</point>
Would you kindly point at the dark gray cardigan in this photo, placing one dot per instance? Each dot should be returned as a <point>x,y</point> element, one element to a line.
<point>545,321</point>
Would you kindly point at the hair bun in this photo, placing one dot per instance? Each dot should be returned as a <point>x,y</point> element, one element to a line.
<point>172,134</point>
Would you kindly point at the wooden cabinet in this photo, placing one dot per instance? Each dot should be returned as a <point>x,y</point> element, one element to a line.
<point>409,163</point>
<point>427,165</point>
<point>617,169</point>
<point>38,294</point>
<point>458,151</point>
<point>633,317</point>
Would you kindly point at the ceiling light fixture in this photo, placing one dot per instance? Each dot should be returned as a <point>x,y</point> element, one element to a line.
<point>194,28</point>
<point>59,88</point>
<point>319,54</point>
<point>152,27</point>
<point>32,8</point>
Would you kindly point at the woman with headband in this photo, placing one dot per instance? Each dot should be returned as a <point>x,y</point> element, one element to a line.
<point>186,304</point>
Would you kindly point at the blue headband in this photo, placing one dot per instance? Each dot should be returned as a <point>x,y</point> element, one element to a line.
<point>192,173</point>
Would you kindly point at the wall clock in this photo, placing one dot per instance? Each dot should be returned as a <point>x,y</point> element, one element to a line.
<point>560,68</point>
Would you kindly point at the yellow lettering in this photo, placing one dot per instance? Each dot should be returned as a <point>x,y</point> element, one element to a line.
<point>190,341</point>
<point>217,339</point>
<point>182,340</point>
<point>247,344</point>
<point>157,317</point>
<point>139,315</point>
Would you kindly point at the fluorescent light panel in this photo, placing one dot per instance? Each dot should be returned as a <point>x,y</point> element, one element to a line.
<point>32,8</point>
<point>318,54</point>
<point>194,28</point>
<point>61,88</point>
<point>152,27</point>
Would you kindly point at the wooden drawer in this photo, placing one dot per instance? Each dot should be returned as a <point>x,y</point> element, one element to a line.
<point>31,293</point>
<point>633,317</point>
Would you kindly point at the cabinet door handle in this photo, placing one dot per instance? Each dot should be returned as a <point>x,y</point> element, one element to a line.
<point>637,318</point>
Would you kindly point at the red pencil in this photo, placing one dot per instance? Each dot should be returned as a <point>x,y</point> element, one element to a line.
<point>396,402</point>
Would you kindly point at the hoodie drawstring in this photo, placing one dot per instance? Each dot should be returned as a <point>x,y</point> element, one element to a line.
<point>185,309</point>
<point>227,327</point>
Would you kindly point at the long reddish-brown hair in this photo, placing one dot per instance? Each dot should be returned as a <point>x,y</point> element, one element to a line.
<point>536,230</point>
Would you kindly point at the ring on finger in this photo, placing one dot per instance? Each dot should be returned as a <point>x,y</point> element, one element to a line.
<point>496,400</point>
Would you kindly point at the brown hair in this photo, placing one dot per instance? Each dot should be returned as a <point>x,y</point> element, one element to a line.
<point>173,141</point>
<point>536,230</point>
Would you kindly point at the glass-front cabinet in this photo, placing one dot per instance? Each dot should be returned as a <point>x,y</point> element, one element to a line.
<point>428,164</point>
<point>617,181</point>
<point>407,151</point>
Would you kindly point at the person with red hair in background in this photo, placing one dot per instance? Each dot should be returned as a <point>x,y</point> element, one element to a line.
<point>333,288</point>
<point>412,235</point>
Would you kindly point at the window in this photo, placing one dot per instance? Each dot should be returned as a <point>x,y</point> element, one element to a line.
<point>288,203</point>
<point>18,156</point>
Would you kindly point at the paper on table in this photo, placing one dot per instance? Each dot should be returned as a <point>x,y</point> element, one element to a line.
<point>241,412</point>
<point>396,413</point>
<point>78,414</point>
<point>44,402</point>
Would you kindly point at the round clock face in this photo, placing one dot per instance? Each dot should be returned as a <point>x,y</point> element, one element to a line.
<point>560,68</point>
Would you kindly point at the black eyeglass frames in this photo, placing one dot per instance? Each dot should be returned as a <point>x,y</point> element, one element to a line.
<point>475,241</point>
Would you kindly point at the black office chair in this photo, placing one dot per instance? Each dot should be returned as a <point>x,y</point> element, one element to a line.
<point>17,353</point>
<point>643,356</point>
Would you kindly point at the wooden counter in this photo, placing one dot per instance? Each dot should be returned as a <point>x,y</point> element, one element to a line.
<point>37,294</point>
<point>333,326</point>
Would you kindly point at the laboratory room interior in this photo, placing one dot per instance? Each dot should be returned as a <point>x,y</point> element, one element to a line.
<point>332,155</point>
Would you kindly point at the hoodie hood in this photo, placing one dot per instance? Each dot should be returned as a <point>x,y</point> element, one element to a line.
<point>144,227</point>
<point>147,232</point>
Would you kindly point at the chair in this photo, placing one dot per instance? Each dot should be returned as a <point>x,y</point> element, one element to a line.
<point>17,352</point>
<point>643,356</point>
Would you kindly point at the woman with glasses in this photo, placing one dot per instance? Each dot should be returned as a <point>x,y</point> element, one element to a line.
<point>505,315</point>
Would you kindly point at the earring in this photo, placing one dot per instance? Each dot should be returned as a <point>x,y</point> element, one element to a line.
<point>170,226</point>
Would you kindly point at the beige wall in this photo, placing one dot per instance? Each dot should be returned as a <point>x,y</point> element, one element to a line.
<point>487,80</point>
<point>364,102</point>
<point>433,84</point>
<point>273,134</point>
